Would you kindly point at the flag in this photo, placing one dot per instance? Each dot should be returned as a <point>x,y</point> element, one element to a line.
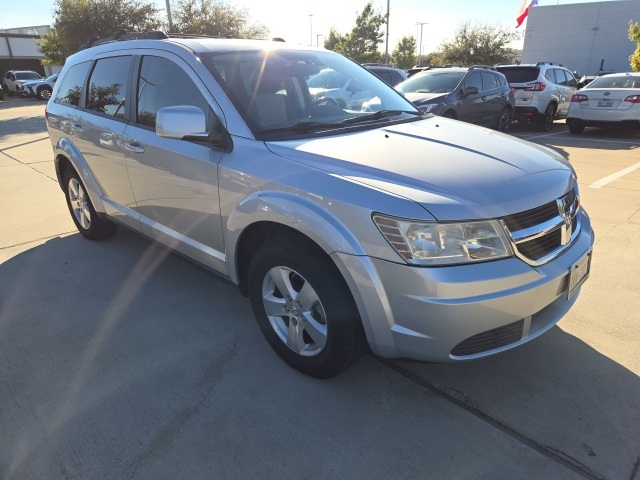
<point>523,11</point>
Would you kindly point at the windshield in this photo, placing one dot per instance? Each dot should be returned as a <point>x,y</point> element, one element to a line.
<point>27,76</point>
<point>327,79</point>
<point>616,81</point>
<point>296,91</point>
<point>432,82</point>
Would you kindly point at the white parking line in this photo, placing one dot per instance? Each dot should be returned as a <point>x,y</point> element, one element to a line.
<point>540,136</point>
<point>611,178</point>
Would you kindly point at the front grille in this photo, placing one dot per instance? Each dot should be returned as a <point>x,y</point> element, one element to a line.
<point>543,232</point>
<point>496,338</point>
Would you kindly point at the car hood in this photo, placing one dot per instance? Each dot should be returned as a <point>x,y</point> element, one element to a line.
<point>454,170</point>
<point>26,83</point>
<point>418,98</point>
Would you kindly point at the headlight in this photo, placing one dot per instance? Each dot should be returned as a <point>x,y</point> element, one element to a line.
<point>432,244</point>
<point>428,107</point>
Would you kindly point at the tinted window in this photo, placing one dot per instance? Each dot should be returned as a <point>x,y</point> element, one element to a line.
<point>386,76</point>
<point>432,82</point>
<point>489,81</point>
<point>108,86</point>
<point>396,78</point>
<point>473,80</point>
<point>551,76</point>
<point>562,77</point>
<point>72,83</point>
<point>520,74</point>
<point>572,82</point>
<point>161,84</point>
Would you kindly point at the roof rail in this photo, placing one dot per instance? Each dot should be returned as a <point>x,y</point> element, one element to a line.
<point>549,63</point>
<point>486,67</point>
<point>123,35</point>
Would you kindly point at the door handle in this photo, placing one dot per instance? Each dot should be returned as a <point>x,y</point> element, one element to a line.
<point>133,147</point>
<point>76,129</point>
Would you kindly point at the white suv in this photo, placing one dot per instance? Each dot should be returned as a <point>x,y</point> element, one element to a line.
<point>543,91</point>
<point>421,236</point>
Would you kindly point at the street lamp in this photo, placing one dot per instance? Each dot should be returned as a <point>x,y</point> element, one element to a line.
<point>386,47</point>
<point>318,39</point>
<point>311,32</point>
<point>422,24</point>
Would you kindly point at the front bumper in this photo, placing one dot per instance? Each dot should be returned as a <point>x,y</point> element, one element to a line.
<point>429,313</point>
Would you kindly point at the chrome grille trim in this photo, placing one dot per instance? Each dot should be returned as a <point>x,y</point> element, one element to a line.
<point>559,227</point>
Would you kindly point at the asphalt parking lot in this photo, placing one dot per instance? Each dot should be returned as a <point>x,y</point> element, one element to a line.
<point>121,360</point>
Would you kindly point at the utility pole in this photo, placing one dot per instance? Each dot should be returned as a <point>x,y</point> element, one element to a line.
<point>422,24</point>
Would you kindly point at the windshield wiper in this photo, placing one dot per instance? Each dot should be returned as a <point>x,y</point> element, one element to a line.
<point>306,127</point>
<point>380,114</point>
<point>303,127</point>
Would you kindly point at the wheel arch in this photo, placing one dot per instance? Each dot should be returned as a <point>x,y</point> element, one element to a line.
<point>68,156</point>
<point>265,216</point>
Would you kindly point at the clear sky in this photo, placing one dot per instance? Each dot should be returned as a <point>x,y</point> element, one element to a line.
<point>291,19</point>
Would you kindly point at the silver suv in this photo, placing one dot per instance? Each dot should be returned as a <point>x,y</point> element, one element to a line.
<point>420,236</point>
<point>543,91</point>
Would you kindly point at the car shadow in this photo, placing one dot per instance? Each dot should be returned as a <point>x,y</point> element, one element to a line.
<point>116,347</point>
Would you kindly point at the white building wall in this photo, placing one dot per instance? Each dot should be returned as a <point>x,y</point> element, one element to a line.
<point>581,35</point>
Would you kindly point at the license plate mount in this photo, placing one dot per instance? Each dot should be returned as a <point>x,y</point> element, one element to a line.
<point>578,274</point>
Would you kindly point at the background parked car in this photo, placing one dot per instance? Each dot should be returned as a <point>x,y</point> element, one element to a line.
<point>610,100</point>
<point>543,91</point>
<point>475,95</point>
<point>391,75</point>
<point>38,88</point>
<point>14,78</point>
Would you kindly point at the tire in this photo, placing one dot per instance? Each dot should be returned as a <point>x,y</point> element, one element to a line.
<point>576,128</point>
<point>304,307</point>
<point>87,221</point>
<point>504,121</point>
<point>547,120</point>
<point>44,93</point>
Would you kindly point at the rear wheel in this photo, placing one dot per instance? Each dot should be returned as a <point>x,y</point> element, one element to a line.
<point>576,128</point>
<point>547,120</point>
<point>304,307</point>
<point>504,121</point>
<point>89,224</point>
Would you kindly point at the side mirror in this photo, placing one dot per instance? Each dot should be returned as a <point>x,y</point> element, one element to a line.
<point>471,91</point>
<point>184,122</point>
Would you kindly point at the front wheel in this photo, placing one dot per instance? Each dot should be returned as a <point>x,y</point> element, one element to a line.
<point>304,307</point>
<point>87,221</point>
<point>44,93</point>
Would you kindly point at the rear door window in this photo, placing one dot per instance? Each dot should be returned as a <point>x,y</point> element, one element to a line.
<point>107,91</point>
<point>71,85</point>
<point>473,80</point>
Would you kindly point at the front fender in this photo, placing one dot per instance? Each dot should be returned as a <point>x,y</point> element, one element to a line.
<point>294,211</point>
<point>65,148</point>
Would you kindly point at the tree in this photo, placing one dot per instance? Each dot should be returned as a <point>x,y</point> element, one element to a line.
<point>361,45</point>
<point>404,54</point>
<point>76,21</point>
<point>215,18</point>
<point>634,36</point>
<point>479,44</point>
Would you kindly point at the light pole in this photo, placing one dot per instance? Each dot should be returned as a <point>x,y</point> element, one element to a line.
<point>311,26</point>
<point>169,16</point>
<point>386,47</point>
<point>318,39</point>
<point>422,24</point>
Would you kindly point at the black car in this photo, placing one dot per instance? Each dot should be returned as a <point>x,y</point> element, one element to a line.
<point>477,95</point>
